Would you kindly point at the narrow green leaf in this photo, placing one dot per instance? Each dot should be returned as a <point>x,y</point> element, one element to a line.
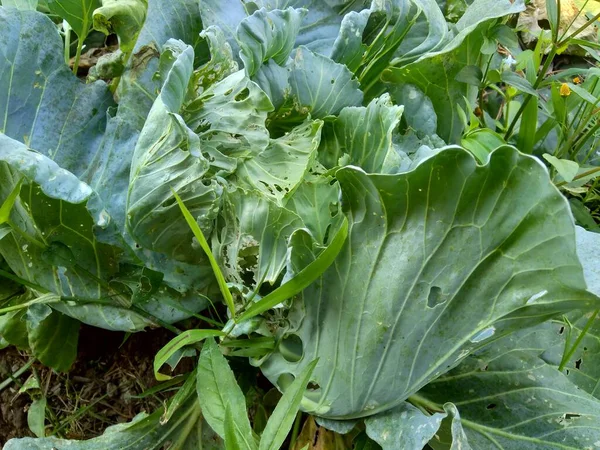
<point>217,391</point>
<point>36,417</point>
<point>186,338</point>
<point>8,204</point>
<point>558,103</point>
<point>529,121</point>
<point>552,12</point>
<point>304,278</point>
<point>183,393</point>
<point>585,95</point>
<point>213,263</point>
<point>283,416</point>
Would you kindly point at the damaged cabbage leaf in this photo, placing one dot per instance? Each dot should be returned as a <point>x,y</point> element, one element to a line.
<point>438,260</point>
<point>253,245</point>
<point>510,397</point>
<point>167,159</point>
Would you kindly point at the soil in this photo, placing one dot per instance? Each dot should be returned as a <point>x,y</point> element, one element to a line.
<point>97,392</point>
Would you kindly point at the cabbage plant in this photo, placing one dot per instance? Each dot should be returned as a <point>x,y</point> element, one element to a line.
<point>298,161</point>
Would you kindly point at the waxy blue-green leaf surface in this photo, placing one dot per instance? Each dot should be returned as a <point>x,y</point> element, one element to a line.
<point>169,152</point>
<point>268,35</point>
<point>509,397</point>
<point>404,302</point>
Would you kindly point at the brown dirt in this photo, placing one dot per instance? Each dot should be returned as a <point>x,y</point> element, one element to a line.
<point>96,393</point>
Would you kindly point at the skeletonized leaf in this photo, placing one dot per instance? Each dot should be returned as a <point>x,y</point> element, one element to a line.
<point>280,168</point>
<point>255,244</point>
<point>169,152</point>
<point>229,118</point>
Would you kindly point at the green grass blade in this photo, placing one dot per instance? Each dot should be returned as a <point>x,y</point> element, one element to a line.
<point>185,338</point>
<point>283,416</point>
<point>8,204</point>
<point>213,262</point>
<point>301,281</point>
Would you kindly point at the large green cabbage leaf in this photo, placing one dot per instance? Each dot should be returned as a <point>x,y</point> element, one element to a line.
<point>438,260</point>
<point>511,396</point>
<point>56,135</point>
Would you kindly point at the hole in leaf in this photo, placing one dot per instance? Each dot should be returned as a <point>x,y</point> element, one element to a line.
<point>334,209</point>
<point>544,24</point>
<point>491,406</point>
<point>435,297</point>
<point>326,236</point>
<point>571,416</point>
<point>313,391</point>
<point>562,330</point>
<point>242,95</point>
<point>484,368</point>
<point>313,386</point>
<point>567,371</point>
<point>578,363</point>
<point>291,348</point>
<point>228,92</point>
<point>169,202</point>
<point>284,380</point>
<point>375,24</point>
